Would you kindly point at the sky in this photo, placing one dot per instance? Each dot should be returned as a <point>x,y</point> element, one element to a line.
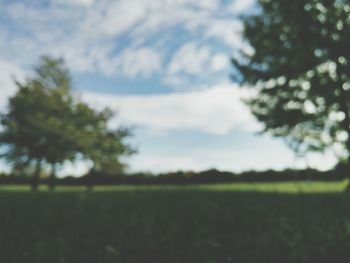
<point>163,65</point>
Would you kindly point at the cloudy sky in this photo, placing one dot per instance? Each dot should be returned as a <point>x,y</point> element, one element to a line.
<point>162,64</point>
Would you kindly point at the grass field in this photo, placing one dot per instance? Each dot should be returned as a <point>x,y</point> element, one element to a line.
<point>265,222</point>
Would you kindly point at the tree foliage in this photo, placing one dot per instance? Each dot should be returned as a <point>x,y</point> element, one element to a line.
<point>45,124</point>
<point>298,66</point>
<point>102,145</point>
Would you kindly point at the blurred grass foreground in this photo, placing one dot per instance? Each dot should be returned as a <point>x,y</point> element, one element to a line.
<point>240,222</point>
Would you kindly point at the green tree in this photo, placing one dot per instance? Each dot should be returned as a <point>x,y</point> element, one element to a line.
<point>38,127</point>
<point>102,145</point>
<point>298,65</point>
<point>45,125</point>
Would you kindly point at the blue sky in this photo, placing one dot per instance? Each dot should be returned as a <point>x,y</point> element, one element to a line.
<point>162,64</point>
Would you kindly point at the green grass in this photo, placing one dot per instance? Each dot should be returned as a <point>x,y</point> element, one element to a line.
<point>265,222</point>
<point>282,187</point>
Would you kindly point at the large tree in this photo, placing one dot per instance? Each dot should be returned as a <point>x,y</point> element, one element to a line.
<point>38,126</point>
<point>297,61</point>
<point>46,125</point>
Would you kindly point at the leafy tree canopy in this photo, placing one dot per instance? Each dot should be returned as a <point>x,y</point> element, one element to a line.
<point>298,65</point>
<point>46,124</point>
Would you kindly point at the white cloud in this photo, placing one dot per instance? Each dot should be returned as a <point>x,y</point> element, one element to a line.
<point>8,72</point>
<point>203,4</point>
<point>120,16</point>
<point>241,6</point>
<point>192,62</point>
<point>85,3</point>
<point>206,4</point>
<point>217,110</point>
<point>93,35</point>
<point>278,157</point>
<point>190,59</point>
<point>219,62</point>
<point>139,62</point>
<point>226,30</point>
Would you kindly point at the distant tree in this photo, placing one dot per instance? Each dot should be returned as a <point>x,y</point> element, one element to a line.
<point>98,143</point>
<point>45,125</point>
<point>102,145</point>
<point>299,67</point>
<point>38,127</point>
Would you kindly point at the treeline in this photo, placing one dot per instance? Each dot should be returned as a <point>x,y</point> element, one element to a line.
<point>209,176</point>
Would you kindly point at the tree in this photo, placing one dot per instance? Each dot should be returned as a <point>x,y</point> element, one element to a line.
<point>38,126</point>
<point>46,125</point>
<point>298,65</point>
<point>100,144</point>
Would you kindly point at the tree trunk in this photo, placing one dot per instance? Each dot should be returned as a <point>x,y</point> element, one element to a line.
<point>52,178</point>
<point>90,177</point>
<point>36,176</point>
<point>89,187</point>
